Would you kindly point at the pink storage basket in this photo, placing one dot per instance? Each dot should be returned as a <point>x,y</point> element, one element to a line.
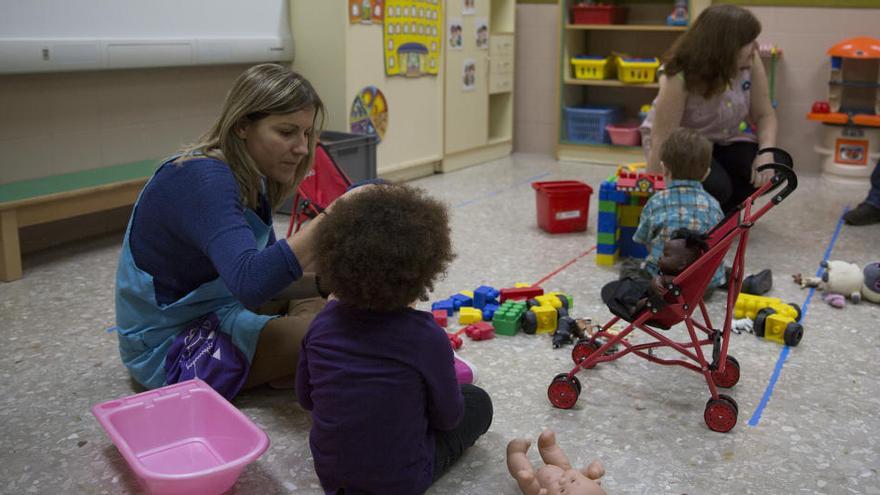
<point>183,438</point>
<point>624,134</point>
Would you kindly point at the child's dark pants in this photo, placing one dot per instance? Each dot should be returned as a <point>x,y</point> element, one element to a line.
<point>450,445</point>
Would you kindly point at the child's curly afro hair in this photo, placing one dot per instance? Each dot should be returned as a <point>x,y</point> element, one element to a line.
<point>382,248</point>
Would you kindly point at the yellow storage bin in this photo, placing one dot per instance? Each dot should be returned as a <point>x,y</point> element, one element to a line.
<point>590,67</point>
<point>637,70</point>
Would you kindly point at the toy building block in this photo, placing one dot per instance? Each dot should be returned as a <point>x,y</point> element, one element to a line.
<point>774,319</point>
<point>546,318</point>
<point>480,330</point>
<point>445,305</point>
<point>549,300</point>
<point>489,311</point>
<point>606,259</point>
<point>484,295</point>
<point>628,215</point>
<point>748,306</point>
<point>469,315</point>
<point>462,300</point>
<point>467,293</point>
<point>508,316</point>
<point>455,341</point>
<point>520,293</point>
<point>520,285</point>
<point>566,299</point>
<point>440,317</point>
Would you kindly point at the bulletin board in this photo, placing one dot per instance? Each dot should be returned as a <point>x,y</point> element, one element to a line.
<point>412,37</point>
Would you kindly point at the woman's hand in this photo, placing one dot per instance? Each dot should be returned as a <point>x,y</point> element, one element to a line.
<point>764,176</point>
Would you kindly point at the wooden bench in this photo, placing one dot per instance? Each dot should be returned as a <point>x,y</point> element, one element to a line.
<point>37,201</point>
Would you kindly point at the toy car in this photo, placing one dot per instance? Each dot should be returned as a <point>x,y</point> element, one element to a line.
<point>774,319</point>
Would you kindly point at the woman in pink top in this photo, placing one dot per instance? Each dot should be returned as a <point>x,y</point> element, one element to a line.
<point>713,81</point>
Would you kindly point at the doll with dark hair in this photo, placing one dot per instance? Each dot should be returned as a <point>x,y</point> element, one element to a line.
<point>630,295</point>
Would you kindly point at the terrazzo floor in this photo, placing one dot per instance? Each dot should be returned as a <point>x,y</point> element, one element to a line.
<point>817,431</point>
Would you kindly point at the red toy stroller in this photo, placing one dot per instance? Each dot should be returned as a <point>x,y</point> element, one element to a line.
<point>681,298</point>
<point>325,182</point>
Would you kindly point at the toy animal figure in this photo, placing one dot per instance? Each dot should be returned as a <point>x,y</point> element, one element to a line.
<point>557,477</point>
<point>842,280</point>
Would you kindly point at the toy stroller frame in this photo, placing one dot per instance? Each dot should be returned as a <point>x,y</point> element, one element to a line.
<point>681,299</point>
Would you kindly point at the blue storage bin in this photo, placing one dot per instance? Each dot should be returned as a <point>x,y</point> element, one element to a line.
<point>586,125</point>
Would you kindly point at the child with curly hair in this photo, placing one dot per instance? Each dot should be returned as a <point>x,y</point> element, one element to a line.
<point>388,415</point>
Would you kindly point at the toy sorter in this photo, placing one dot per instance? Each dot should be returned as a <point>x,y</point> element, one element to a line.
<point>851,134</point>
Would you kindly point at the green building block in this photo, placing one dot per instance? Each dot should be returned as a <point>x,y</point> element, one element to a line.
<point>507,317</point>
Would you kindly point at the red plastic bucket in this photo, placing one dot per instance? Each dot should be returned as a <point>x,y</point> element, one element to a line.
<point>562,206</point>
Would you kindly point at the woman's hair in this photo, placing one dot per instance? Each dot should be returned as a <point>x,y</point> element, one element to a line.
<point>383,247</point>
<point>686,154</point>
<point>262,90</point>
<point>707,53</point>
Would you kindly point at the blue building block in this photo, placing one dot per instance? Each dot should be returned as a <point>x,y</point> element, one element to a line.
<point>445,305</point>
<point>607,222</point>
<point>462,300</point>
<point>606,248</point>
<point>485,295</point>
<point>489,311</point>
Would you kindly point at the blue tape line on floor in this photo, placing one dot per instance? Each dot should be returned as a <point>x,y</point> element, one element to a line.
<point>499,191</point>
<point>783,354</point>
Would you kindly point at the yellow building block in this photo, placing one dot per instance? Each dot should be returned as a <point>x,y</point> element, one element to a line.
<point>549,300</point>
<point>468,315</point>
<point>606,259</point>
<point>748,305</point>
<point>628,215</point>
<point>546,316</point>
<point>521,284</point>
<point>468,293</point>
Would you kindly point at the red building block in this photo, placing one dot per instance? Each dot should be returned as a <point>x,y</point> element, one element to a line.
<point>440,317</point>
<point>521,293</point>
<point>481,330</point>
<point>454,340</point>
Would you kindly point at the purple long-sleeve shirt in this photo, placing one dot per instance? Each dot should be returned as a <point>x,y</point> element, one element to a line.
<point>378,386</point>
<point>189,228</point>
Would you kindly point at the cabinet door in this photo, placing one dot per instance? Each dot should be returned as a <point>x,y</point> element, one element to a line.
<point>467,76</point>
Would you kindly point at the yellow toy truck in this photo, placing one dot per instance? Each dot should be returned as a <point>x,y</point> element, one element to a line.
<point>774,319</point>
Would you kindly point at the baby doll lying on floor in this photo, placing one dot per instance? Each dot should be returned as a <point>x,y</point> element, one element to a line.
<point>557,476</point>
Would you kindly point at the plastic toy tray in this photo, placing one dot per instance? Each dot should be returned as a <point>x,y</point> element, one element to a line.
<point>183,438</point>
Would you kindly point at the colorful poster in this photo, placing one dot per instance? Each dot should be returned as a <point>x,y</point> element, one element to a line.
<point>454,33</point>
<point>482,33</point>
<point>413,37</point>
<point>366,11</point>
<point>369,113</point>
<point>469,74</point>
<point>468,7</point>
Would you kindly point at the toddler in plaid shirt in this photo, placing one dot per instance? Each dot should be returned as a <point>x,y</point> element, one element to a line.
<point>686,157</point>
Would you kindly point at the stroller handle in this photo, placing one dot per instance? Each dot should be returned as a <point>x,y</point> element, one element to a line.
<point>783,173</point>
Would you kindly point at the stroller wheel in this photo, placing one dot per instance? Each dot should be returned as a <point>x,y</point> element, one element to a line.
<point>793,334</point>
<point>563,391</point>
<point>730,377</point>
<point>721,413</point>
<point>582,351</point>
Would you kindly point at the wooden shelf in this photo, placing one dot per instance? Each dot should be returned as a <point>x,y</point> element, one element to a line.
<point>627,27</point>
<point>614,83</point>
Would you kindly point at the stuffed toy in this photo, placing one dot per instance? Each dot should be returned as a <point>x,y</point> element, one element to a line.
<point>842,280</point>
<point>557,476</point>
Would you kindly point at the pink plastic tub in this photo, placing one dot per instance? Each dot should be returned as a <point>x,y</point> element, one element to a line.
<point>624,134</point>
<point>182,438</point>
